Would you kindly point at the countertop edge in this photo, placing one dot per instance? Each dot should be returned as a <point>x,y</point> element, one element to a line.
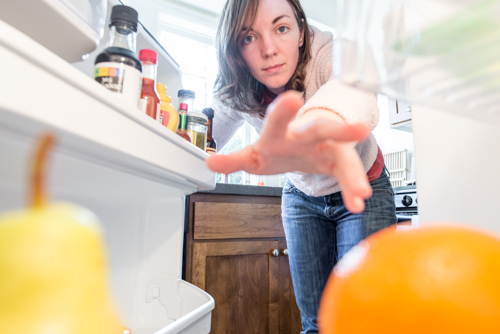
<point>248,190</point>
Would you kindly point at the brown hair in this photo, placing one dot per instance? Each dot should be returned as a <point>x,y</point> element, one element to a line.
<point>235,86</point>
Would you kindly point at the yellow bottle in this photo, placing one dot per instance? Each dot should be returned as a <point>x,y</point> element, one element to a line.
<point>170,116</point>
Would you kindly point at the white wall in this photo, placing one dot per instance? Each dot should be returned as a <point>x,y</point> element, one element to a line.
<point>389,139</point>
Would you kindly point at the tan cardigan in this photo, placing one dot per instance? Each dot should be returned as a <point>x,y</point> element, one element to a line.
<point>321,91</point>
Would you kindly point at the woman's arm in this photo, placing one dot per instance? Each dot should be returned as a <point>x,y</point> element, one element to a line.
<point>348,104</point>
<point>317,147</point>
<point>352,105</point>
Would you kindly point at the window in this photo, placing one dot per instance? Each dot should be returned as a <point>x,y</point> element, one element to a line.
<point>198,64</point>
<point>189,35</point>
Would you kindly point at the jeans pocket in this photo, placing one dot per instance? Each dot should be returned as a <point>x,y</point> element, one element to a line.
<point>382,184</point>
<point>289,188</point>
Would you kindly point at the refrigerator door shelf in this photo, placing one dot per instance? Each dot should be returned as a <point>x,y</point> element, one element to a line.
<point>132,172</point>
<point>439,53</point>
<point>69,28</point>
<point>38,86</point>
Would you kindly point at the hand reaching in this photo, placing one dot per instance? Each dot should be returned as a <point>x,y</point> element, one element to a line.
<point>314,146</point>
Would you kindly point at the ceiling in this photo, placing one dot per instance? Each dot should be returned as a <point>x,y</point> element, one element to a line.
<point>318,10</point>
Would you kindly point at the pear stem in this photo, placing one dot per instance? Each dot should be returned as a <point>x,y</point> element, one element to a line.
<point>39,171</point>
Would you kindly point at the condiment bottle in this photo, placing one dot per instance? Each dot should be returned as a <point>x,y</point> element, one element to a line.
<point>197,129</point>
<point>168,115</point>
<point>117,67</point>
<point>262,181</point>
<point>183,113</point>
<point>150,101</point>
<point>211,147</point>
<point>187,96</point>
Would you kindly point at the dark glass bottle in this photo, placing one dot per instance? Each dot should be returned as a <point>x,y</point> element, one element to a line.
<point>211,147</point>
<point>117,67</point>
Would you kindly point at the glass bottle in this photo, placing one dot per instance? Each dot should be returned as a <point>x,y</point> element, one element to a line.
<point>197,129</point>
<point>150,101</point>
<point>117,67</point>
<point>211,147</point>
<point>187,96</point>
<point>182,130</point>
<point>262,181</point>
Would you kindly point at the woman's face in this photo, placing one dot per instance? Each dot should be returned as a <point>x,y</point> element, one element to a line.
<point>271,48</point>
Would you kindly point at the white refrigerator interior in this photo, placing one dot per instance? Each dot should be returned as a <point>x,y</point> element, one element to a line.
<point>443,58</point>
<point>121,164</point>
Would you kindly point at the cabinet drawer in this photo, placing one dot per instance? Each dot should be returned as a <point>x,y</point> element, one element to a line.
<point>237,220</point>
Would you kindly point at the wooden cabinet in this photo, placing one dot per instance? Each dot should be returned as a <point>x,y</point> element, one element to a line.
<point>235,251</point>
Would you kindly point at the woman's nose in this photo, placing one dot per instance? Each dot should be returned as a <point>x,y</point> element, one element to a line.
<point>269,47</point>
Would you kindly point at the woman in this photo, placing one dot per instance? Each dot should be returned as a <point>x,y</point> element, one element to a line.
<point>265,49</point>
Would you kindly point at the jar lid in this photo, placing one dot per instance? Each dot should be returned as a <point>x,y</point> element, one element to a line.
<point>209,112</point>
<point>197,114</point>
<point>187,92</point>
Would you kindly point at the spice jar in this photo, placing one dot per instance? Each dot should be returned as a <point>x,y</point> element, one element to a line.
<point>197,129</point>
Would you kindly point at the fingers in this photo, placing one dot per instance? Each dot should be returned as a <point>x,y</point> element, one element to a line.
<point>319,130</point>
<point>279,113</point>
<point>351,175</point>
<point>227,164</point>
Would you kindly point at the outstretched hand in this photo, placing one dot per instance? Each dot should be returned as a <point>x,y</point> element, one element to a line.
<point>316,146</point>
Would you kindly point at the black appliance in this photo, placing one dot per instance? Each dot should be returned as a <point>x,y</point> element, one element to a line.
<point>406,202</point>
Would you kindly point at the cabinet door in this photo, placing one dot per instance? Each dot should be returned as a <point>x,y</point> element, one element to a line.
<point>399,112</point>
<point>243,279</point>
<point>290,322</point>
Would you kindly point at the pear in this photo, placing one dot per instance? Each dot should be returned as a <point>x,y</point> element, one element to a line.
<point>53,273</point>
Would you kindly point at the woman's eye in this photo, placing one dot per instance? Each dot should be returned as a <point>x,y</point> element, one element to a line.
<point>248,39</point>
<point>282,29</point>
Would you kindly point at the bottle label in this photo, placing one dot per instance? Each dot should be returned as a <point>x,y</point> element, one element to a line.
<point>143,104</point>
<point>121,79</point>
<point>159,114</point>
<point>166,117</point>
<point>210,150</point>
<point>183,123</point>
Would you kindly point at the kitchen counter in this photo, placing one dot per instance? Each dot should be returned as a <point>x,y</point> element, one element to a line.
<point>234,240</point>
<point>240,189</point>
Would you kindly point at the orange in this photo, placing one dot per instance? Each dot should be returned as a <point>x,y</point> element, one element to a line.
<point>443,278</point>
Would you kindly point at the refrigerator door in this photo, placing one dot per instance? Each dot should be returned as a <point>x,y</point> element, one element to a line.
<point>121,164</point>
<point>443,57</point>
<point>439,53</point>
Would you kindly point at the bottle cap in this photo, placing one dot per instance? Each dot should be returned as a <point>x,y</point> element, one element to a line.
<point>147,55</point>
<point>160,86</point>
<point>187,93</point>
<point>124,14</point>
<point>209,112</point>
<point>183,106</point>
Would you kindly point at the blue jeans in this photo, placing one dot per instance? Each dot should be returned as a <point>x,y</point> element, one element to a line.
<point>320,230</point>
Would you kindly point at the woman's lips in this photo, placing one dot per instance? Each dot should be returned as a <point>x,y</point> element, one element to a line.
<point>273,69</point>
